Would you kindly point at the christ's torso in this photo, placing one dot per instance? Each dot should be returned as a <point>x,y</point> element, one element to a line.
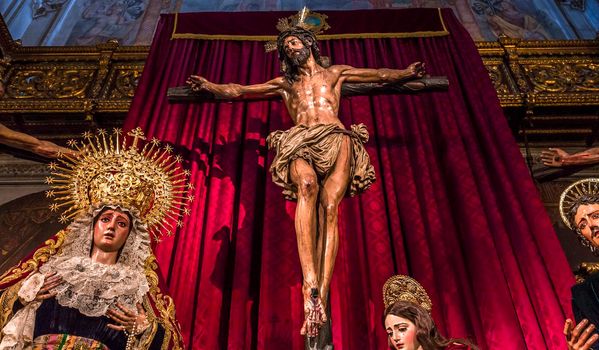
<point>314,99</point>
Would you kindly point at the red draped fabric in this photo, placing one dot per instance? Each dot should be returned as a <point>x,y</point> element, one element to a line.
<point>454,205</point>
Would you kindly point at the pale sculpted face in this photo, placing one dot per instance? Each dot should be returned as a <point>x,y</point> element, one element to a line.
<point>401,333</point>
<point>111,230</point>
<point>587,221</point>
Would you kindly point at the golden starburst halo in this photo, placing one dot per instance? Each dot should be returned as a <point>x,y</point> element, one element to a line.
<point>405,288</point>
<point>306,19</point>
<point>109,171</point>
<point>573,192</point>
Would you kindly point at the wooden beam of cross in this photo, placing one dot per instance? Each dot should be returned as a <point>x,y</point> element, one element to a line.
<point>543,173</point>
<point>426,84</point>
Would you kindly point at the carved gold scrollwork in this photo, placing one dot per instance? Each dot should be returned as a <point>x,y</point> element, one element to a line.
<point>126,83</point>
<point>498,79</point>
<point>4,64</point>
<point>585,270</point>
<point>165,306</point>
<point>52,82</point>
<point>564,77</point>
<point>7,300</point>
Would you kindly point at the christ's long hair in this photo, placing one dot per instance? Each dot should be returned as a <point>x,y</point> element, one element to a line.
<point>290,69</point>
<point>427,333</point>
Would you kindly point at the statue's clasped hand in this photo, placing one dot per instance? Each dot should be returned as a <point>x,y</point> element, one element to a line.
<point>51,281</point>
<point>127,320</point>
<point>581,337</point>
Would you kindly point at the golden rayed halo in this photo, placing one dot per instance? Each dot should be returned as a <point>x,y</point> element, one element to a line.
<point>312,21</point>
<point>108,171</point>
<point>573,192</point>
<point>306,19</point>
<point>405,288</point>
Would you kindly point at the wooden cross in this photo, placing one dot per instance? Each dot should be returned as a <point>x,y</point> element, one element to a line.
<point>426,84</point>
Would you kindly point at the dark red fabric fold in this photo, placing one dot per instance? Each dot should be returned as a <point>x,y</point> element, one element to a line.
<point>416,20</point>
<point>454,205</point>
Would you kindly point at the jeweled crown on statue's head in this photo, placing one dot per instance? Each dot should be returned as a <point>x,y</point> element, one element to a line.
<point>107,171</point>
<point>121,188</point>
<point>405,288</point>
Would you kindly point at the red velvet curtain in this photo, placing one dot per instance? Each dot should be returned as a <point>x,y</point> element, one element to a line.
<point>453,206</point>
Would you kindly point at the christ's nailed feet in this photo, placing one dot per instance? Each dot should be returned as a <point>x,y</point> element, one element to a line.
<point>314,312</point>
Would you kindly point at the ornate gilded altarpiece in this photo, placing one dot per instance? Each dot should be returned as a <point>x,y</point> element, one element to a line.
<point>549,91</point>
<point>58,92</point>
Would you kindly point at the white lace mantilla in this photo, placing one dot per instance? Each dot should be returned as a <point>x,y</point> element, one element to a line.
<point>17,334</point>
<point>93,288</point>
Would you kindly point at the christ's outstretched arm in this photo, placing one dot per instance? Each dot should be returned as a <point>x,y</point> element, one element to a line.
<point>382,75</point>
<point>557,157</point>
<point>232,91</point>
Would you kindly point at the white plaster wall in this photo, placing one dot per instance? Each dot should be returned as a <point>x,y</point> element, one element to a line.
<point>19,177</point>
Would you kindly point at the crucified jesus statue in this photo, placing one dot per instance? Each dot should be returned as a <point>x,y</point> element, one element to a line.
<point>318,161</point>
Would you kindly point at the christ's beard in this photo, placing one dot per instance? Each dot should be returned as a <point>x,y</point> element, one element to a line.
<point>298,60</point>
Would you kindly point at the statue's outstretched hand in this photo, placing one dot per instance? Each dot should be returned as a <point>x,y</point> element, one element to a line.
<point>51,150</point>
<point>197,83</point>
<point>579,337</point>
<point>554,157</point>
<point>417,70</point>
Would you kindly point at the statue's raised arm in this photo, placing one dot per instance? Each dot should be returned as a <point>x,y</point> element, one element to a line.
<point>350,74</point>
<point>557,157</point>
<point>232,91</point>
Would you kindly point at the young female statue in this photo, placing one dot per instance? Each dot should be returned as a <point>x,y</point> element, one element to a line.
<point>408,321</point>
